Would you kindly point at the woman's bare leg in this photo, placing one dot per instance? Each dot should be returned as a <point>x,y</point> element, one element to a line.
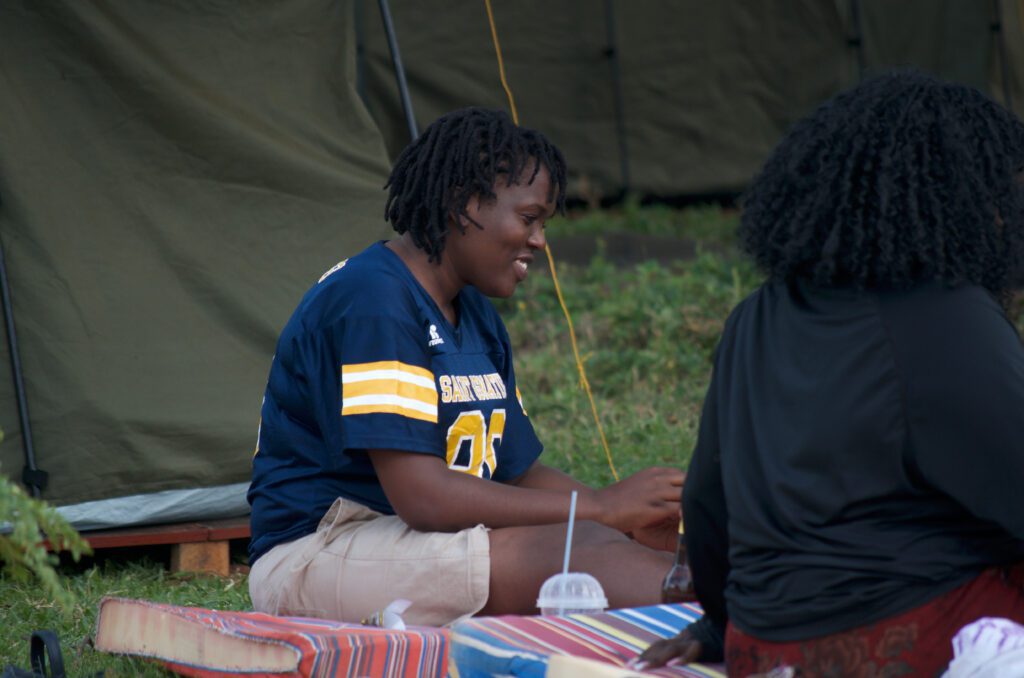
<point>523,557</point>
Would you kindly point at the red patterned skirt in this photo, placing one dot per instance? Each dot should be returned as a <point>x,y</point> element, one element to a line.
<point>914,643</point>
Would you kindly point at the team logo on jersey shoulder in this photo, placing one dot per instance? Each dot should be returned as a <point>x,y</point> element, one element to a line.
<point>337,267</point>
<point>435,338</point>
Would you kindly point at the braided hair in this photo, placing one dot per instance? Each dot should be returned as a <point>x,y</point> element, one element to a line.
<point>460,156</point>
<point>901,179</point>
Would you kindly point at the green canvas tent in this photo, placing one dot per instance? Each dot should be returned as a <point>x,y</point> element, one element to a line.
<point>706,88</point>
<point>175,174</point>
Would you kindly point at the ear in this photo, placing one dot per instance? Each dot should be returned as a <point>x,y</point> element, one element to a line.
<point>473,205</point>
<point>459,222</point>
<point>470,215</point>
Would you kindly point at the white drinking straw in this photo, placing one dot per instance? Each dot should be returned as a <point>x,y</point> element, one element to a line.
<point>568,533</point>
<point>568,544</point>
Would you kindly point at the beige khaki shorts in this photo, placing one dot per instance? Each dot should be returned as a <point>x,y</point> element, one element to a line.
<point>359,560</point>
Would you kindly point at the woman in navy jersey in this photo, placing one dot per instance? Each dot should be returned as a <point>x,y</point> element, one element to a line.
<point>395,457</point>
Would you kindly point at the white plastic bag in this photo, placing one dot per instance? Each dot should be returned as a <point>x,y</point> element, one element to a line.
<point>990,647</point>
<point>390,617</point>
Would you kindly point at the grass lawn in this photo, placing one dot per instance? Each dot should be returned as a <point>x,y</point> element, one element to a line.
<point>646,334</point>
<point>23,610</point>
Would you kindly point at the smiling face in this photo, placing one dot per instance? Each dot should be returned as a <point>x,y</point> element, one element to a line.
<point>495,256</point>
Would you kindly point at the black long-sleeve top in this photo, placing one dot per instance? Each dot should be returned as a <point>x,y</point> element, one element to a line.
<point>859,453</point>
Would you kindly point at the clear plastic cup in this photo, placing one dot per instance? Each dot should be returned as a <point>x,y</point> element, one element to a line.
<point>571,592</point>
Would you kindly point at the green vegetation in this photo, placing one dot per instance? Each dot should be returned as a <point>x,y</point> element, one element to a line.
<point>23,557</point>
<point>708,224</point>
<point>25,608</point>
<point>645,333</point>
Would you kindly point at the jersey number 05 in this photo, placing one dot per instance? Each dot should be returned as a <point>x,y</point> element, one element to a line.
<point>473,443</point>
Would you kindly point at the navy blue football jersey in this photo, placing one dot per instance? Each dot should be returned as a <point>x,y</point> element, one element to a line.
<point>368,361</point>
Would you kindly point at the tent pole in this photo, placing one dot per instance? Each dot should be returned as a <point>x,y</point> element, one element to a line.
<point>612,52</point>
<point>34,478</point>
<point>396,58</point>
<point>1000,36</point>
<point>357,12</point>
<point>856,41</point>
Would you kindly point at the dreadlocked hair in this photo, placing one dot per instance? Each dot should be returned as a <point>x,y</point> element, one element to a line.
<point>901,179</point>
<point>460,156</point>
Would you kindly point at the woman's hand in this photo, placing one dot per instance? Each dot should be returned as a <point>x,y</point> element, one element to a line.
<point>663,536</point>
<point>682,649</point>
<point>647,499</point>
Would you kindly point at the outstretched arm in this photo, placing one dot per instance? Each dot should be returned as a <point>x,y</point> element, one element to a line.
<point>430,497</point>
<point>543,477</point>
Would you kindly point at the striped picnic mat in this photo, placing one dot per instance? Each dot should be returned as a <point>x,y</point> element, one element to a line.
<point>521,646</point>
<point>204,643</point>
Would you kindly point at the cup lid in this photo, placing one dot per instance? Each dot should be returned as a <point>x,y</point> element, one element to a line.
<point>572,590</point>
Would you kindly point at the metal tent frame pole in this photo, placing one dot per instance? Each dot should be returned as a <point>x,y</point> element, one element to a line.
<point>1000,37</point>
<point>357,14</point>
<point>396,59</point>
<point>612,52</point>
<point>31,475</point>
<point>856,40</point>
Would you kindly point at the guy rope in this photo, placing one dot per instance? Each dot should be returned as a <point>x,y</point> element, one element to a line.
<point>551,259</point>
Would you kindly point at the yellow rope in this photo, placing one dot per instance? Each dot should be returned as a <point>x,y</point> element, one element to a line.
<point>579,362</point>
<point>551,259</point>
<point>501,64</point>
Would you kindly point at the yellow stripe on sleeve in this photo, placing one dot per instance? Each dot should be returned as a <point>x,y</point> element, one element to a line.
<point>427,396</point>
<point>388,387</point>
<point>519,397</point>
<point>360,368</point>
<point>389,409</point>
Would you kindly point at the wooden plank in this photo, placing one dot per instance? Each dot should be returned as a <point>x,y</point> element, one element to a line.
<point>147,536</point>
<point>211,557</point>
<point>230,528</point>
<point>175,533</point>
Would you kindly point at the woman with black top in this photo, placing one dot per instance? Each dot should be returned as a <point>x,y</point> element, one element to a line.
<point>855,496</point>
